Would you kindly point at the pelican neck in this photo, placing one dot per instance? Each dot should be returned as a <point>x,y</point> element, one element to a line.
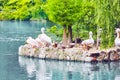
<point>90,36</point>
<point>43,32</point>
<point>118,34</point>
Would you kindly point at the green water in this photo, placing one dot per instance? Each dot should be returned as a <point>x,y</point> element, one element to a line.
<point>13,67</point>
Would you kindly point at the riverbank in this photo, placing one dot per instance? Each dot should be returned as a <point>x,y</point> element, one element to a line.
<point>70,54</point>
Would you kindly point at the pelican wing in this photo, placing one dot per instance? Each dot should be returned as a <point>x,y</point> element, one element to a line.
<point>32,41</point>
<point>45,38</point>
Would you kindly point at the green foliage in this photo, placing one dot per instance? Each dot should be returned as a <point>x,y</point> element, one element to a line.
<point>86,20</point>
<point>56,31</point>
<point>80,32</point>
<point>21,10</point>
<point>106,13</point>
<point>63,12</point>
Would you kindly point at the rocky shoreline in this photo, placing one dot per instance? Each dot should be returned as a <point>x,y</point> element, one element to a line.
<point>70,54</point>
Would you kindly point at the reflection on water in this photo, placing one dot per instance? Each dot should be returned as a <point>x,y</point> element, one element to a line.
<point>60,70</point>
<point>12,35</point>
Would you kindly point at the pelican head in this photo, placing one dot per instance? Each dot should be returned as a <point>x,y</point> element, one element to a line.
<point>117,30</point>
<point>90,33</point>
<point>42,29</point>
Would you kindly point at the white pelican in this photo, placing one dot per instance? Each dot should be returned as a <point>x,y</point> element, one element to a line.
<point>32,42</point>
<point>44,38</point>
<point>89,42</point>
<point>117,39</point>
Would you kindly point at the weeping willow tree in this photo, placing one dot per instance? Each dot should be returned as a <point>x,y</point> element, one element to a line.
<point>107,16</point>
<point>86,20</point>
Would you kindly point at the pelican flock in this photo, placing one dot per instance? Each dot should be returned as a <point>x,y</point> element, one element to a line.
<point>41,40</point>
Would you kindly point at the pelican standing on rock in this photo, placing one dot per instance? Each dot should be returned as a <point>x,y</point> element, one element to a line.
<point>117,39</point>
<point>44,38</point>
<point>32,42</point>
<point>89,42</point>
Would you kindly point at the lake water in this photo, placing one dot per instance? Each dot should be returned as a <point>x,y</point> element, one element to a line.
<point>13,67</point>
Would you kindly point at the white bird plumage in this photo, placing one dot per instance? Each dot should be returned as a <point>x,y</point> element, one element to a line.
<point>32,42</point>
<point>44,38</point>
<point>117,39</point>
<point>41,40</point>
<point>89,42</point>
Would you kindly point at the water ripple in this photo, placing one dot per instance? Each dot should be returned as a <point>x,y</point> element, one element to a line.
<point>13,39</point>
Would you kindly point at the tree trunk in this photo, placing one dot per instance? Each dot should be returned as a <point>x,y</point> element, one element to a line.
<point>64,35</point>
<point>69,34</point>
